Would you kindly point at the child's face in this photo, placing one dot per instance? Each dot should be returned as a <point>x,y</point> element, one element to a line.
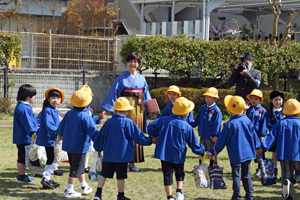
<point>30,99</point>
<point>210,100</point>
<point>277,102</point>
<point>54,101</point>
<point>255,100</point>
<point>173,96</point>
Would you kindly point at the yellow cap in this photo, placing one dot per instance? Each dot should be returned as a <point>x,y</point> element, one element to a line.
<point>235,104</point>
<point>291,107</point>
<point>87,89</point>
<point>122,104</point>
<point>257,93</point>
<point>80,99</point>
<point>182,106</point>
<point>173,88</point>
<point>212,92</point>
<point>58,90</point>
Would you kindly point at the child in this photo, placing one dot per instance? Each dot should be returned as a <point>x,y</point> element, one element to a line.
<point>116,139</point>
<point>173,133</point>
<point>50,118</point>
<point>209,120</point>
<point>257,115</point>
<point>24,127</point>
<point>273,115</point>
<point>77,128</point>
<point>173,93</point>
<point>239,136</point>
<point>97,120</point>
<point>286,135</point>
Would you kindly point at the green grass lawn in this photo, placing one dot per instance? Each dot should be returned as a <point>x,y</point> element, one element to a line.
<point>146,184</point>
<point>6,116</point>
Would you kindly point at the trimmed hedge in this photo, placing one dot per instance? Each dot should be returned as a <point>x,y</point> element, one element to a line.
<point>196,95</point>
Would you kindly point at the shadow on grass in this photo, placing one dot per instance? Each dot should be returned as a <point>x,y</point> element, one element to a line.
<point>149,170</point>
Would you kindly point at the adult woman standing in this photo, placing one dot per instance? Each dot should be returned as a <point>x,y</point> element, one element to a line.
<point>133,86</point>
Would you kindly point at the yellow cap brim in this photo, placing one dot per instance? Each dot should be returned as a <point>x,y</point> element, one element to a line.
<point>192,106</point>
<point>294,112</point>
<point>248,96</point>
<point>211,95</point>
<point>125,108</point>
<point>166,92</point>
<point>58,90</point>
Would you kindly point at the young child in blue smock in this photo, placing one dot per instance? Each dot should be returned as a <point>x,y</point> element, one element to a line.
<point>77,129</point>
<point>173,93</point>
<point>116,139</point>
<point>24,127</point>
<point>49,120</point>
<point>273,115</point>
<point>239,136</point>
<point>173,133</point>
<point>286,135</point>
<point>257,115</point>
<point>97,120</point>
<point>209,120</point>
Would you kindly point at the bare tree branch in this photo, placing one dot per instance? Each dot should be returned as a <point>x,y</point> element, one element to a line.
<point>276,12</point>
<point>288,27</point>
<point>6,3</point>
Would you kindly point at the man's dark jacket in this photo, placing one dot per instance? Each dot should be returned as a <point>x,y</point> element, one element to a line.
<point>244,83</point>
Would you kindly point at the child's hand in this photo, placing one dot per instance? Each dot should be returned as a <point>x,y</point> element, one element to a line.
<point>214,139</point>
<point>60,137</point>
<point>154,139</point>
<point>34,136</point>
<point>259,151</point>
<point>208,155</point>
<point>152,116</point>
<point>261,138</point>
<point>102,114</point>
<point>247,105</point>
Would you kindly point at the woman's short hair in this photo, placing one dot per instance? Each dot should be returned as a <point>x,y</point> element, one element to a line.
<point>133,56</point>
<point>25,91</point>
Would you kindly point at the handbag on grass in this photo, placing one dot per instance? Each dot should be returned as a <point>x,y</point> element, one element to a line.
<point>267,171</point>
<point>216,175</point>
<point>33,169</point>
<point>201,174</point>
<point>59,154</point>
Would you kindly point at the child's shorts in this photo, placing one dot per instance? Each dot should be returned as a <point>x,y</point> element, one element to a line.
<point>109,168</point>
<point>207,143</point>
<point>167,169</point>
<point>21,153</point>
<point>77,162</point>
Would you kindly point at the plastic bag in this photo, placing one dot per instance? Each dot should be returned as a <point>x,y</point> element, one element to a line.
<point>201,174</point>
<point>37,154</point>
<point>96,166</point>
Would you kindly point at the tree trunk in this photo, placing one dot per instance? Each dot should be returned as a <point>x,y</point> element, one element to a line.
<point>275,81</point>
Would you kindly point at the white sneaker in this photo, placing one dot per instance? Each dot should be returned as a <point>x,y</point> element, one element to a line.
<point>180,196</point>
<point>86,190</point>
<point>134,169</point>
<point>72,194</point>
<point>286,188</point>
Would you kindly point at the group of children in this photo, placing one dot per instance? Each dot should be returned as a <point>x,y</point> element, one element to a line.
<point>245,135</point>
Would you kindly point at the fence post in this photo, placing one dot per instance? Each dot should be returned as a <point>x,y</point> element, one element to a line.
<point>107,65</point>
<point>31,50</point>
<point>115,56</point>
<point>5,80</point>
<point>83,77</point>
<point>50,51</point>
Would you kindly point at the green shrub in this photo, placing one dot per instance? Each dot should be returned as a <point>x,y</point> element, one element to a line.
<point>196,96</point>
<point>5,104</point>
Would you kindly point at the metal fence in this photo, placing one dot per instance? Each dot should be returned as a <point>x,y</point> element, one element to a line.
<point>65,52</point>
